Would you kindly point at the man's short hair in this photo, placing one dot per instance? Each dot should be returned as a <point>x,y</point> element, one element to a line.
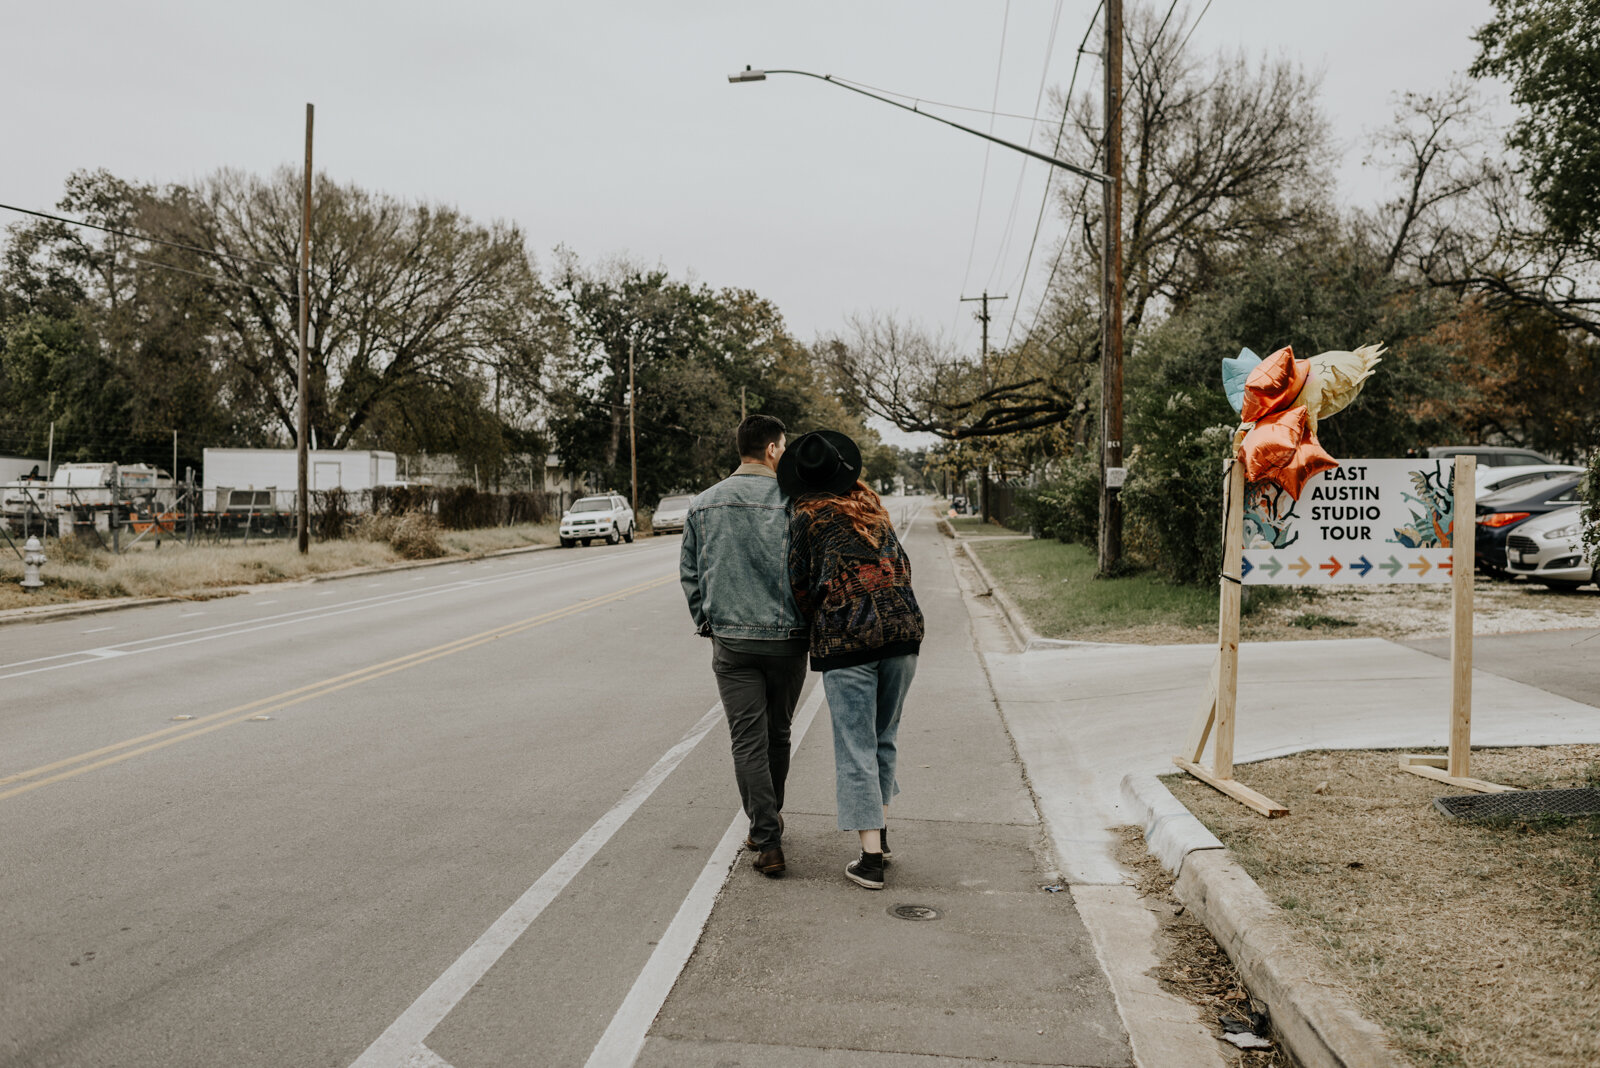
<point>755,433</point>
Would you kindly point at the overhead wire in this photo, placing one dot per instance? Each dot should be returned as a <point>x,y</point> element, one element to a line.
<point>983,181</point>
<point>1100,148</point>
<point>1022,169</point>
<point>1049,184</point>
<point>141,237</point>
<point>935,103</point>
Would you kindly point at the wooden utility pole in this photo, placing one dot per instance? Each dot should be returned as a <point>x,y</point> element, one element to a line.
<point>741,404</point>
<point>983,318</point>
<point>633,442</point>
<point>303,427</point>
<point>1111,469</point>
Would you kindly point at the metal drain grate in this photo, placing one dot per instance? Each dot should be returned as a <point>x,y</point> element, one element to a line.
<point>1523,803</point>
<point>914,912</point>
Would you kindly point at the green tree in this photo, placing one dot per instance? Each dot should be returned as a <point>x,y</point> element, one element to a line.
<point>1549,50</point>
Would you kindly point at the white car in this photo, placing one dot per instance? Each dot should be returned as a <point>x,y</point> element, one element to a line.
<point>1490,479</point>
<point>1549,549</point>
<point>607,517</point>
<point>671,514</point>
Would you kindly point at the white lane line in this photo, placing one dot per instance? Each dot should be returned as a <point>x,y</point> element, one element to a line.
<point>401,1042</point>
<point>283,619</point>
<point>273,601</point>
<point>624,1036</point>
<point>97,630</point>
<point>189,615</point>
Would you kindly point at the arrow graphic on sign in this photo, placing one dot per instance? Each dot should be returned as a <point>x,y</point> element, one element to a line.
<point>1272,567</point>
<point>1420,567</point>
<point>1301,567</point>
<point>1393,567</point>
<point>1446,566</point>
<point>1332,567</point>
<point>1244,568</point>
<point>1362,567</point>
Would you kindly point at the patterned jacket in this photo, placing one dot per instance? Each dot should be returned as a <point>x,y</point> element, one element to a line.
<point>857,597</point>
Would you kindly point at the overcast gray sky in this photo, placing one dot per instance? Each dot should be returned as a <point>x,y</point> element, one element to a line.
<point>610,127</point>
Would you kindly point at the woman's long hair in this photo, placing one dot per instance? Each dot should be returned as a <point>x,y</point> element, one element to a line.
<point>861,506</point>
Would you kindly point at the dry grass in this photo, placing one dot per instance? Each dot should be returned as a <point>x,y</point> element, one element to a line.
<point>1192,964</point>
<point>1475,945</point>
<point>76,573</point>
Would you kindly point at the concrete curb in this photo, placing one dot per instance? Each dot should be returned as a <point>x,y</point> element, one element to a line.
<point>1027,637</point>
<point>1314,1016</point>
<point>47,613</point>
<point>1171,832</point>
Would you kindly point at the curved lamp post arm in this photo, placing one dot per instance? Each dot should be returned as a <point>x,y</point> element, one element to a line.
<point>751,75</point>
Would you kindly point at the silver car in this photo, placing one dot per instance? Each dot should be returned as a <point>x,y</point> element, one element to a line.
<point>1549,549</point>
<point>671,514</point>
<point>589,518</point>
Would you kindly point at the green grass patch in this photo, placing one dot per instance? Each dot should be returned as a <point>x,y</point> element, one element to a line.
<point>1316,620</point>
<point>975,524</point>
<point>1055,586</point>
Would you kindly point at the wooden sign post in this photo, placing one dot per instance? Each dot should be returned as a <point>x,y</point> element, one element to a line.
<point>1357,515</point>
<point>1222,694</point>
<point>1455,768</point>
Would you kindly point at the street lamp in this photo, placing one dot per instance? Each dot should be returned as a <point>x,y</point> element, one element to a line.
<point>1111,470</point>
<point>750,74</point>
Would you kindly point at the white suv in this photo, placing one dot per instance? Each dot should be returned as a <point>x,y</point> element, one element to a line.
<point>607,517</point>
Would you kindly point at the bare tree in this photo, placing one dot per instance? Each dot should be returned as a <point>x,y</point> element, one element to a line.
<point>402,295</point>
<point>1222,159</point>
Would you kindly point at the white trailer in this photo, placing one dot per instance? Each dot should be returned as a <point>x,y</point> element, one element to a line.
<point>260,470</point>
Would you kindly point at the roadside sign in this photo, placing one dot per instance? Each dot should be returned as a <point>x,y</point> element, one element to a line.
<point>1363,522</point>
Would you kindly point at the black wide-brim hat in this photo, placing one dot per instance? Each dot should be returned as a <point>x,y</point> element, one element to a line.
<point>823,461</point>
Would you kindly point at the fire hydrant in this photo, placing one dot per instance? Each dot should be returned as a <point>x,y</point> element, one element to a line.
<point>32,561</point>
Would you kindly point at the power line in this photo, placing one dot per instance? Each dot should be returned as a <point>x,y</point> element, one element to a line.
<point>1195,26</point>
<point>939,103</point>
<point>1066,111</point>
<point>1022,170</point>
<point>140,237</point>
<point>1121,102</point>
<point>983,181</point>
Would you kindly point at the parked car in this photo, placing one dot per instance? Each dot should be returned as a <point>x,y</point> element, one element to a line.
<point>1489,455</point>
<point>670,514</point>
<point>1549,549</point>
<point>607,517</point>
<point>1493,479</point>
<point>1501,513</point>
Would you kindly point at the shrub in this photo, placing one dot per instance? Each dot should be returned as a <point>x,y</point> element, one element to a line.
<point>1066,506</point>
<point>414,534</point>
<point>1173,494</point>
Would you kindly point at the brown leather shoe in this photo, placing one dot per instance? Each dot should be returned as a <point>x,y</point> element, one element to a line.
<point>770,862</point>
<point>750,843</point>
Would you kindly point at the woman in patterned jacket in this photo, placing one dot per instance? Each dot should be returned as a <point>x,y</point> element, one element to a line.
<point>852,583</point>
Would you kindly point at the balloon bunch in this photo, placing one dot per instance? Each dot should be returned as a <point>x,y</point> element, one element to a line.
<point>1280,400</point>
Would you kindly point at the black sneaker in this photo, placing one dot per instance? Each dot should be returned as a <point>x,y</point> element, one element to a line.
<point>867,872</point>
<point>883,844</point>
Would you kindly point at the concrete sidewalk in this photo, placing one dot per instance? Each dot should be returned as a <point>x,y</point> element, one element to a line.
<point>812,970</point>
<point>1084,717</point>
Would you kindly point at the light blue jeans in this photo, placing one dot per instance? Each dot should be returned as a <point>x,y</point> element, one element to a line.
<point>864,702</point>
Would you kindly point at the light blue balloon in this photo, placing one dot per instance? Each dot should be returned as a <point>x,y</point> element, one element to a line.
<point>1234,374</point>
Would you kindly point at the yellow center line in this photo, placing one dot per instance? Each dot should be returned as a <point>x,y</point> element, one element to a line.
<point>289,698</point>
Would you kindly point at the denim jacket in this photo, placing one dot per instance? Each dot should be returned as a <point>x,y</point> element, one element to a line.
<point>733,563</point>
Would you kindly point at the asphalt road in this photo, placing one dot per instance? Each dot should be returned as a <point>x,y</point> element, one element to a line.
<point>1565,662</point>
<point>309,825</point>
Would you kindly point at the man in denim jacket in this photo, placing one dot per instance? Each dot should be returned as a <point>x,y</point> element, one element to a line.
<point>733,570</point>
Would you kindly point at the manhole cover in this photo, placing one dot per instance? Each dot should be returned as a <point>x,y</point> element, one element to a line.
<point>1521,803</point>
<point>914,912</point>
